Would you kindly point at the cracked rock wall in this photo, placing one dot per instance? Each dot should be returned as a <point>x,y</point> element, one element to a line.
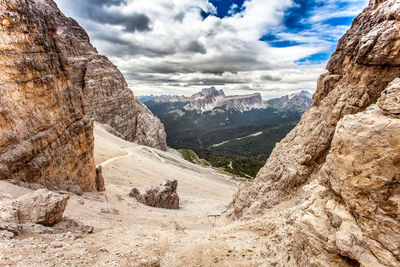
<point>106,94</point>
<point>45,136</point>
<point>336,177</point>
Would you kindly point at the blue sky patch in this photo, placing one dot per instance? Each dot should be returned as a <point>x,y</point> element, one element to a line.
<point>224,7</point>
<point>316,58</point>
<point>312,18</point>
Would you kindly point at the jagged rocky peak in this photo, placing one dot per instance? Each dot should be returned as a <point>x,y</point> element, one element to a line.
<point>302,99</point>
<point>107,97</point>
<point>45,136</point>
<point>332,186</point>
<point>209,99</point>
<point>209,91</point>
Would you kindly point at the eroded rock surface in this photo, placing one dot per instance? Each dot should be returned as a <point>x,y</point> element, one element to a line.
<point>333,184</point>
<point>45,136</point>
<point>42,207</point>
<point>161,197</point>
<point>100,179</point>
<point>106,94</point>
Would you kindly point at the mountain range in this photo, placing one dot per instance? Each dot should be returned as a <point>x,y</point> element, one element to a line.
<point>236,133</point>
<point>211,99</point>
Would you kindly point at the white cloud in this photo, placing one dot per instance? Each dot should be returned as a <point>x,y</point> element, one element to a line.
<point>182,52</point>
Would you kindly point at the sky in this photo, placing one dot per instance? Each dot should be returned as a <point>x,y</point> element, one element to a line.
<point>274,47</point>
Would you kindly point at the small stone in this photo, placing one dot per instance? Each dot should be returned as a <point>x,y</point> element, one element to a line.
<point>6,235</point>
<point>57,244</point>
<point>6,22</point>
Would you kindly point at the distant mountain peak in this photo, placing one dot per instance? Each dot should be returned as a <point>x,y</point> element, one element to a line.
<point>208,91</point>
<point>209,99</point>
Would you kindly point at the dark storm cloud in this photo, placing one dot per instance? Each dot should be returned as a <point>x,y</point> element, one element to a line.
<point>267,77</point>
<point>180,17</point>
<point>131,23</point>
<point>195,46</point>
<point>216,65</point>
<point>214,81</point>
<point>150,78</point>
<point>98,11</point>
<point>106,3</point>
<point>119,47</point>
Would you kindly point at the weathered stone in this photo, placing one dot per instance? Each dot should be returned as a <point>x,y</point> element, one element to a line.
<point>8,212</point>
<point>165,197</point>
<point>135,193</point>
<point>51,76</point>
<point>42,207</point>
<point>364,63</point>
<point>100,179</point>
<point>336,175</point>
<point>390,98</point>
<point>106,94</point>
<point>363,169</point>
<point>44,135</point>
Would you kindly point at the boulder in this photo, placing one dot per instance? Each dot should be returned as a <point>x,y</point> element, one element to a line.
<point>161,197</point>
<point>42,207</point>
<point>100,179</point>
<point>136,194</point>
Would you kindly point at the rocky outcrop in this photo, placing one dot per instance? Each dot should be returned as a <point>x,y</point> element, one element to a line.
<point>51,77</point>
<point>164,197</point>
<point>41,207</point>
<point>106,94</point>
<point>45,136</point>
<point>100,179</point>
<point>333,184</point>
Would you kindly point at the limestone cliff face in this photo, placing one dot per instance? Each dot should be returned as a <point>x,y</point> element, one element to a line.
<point>107,97</point>
<point>44,135</point>
<point>335,179</point>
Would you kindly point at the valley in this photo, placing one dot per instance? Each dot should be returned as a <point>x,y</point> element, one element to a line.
<point>235,133</point>
<point>90,176</point>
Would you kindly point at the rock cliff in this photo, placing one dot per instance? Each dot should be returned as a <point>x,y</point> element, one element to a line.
<point>106,94</point>
<point>333,184</point>
<point>52,82</point>
<point>45,136</point>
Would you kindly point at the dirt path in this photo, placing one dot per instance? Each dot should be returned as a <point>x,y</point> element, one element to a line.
<point>127,233</point>
<point>108,161</point>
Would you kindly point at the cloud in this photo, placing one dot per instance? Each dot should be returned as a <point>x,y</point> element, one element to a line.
<point>170,46</point>
<point>195,46</point>
<point>268,77</point>
<point>109,12</point>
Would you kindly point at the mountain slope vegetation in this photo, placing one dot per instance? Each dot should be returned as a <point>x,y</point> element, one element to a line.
<point>228,137</point>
